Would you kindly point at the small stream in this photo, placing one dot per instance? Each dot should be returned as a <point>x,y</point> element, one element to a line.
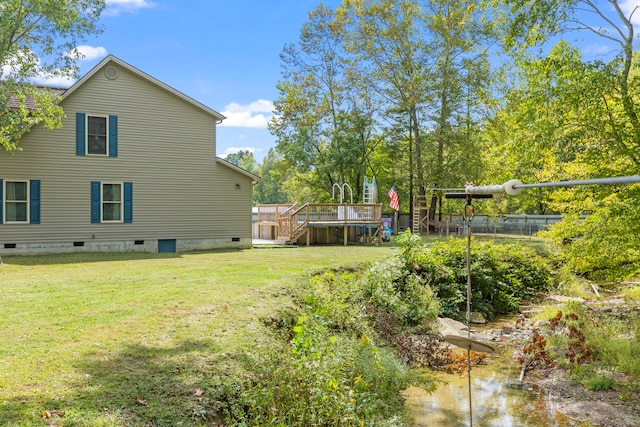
<point>498,400</point>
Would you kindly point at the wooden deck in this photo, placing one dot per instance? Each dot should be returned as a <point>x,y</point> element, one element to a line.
<point>289,223</point>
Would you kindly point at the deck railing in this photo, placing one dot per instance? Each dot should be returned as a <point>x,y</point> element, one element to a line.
<point>292,220</point>
<point>339,213</point>
<point>270,213</point>
<point>284,221</point>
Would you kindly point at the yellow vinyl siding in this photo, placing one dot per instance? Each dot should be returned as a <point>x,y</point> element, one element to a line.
<point>166,148</point>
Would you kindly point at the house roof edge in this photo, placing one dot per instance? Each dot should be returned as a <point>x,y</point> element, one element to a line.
<point>224,162</point>
<point>131,68</point>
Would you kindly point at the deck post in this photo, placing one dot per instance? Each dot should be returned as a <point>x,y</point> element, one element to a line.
<point>395,223</point>
<point>346,233</point>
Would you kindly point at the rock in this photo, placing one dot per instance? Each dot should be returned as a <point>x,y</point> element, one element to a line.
<point>507,329</point>
<point>448,326</point>
<point>562,298</point>
<point>478,318</point>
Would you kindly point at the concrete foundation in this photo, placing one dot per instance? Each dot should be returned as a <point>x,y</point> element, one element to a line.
<point>120,246</point>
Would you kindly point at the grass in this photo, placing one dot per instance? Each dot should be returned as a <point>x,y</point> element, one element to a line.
<point>141,339</point>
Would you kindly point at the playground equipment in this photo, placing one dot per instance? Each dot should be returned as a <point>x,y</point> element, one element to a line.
<point>369,191</point>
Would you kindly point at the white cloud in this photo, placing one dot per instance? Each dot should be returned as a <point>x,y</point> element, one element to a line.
<point>255,115</point>
<point>115,7</point>
<point>628,6</point>
<point>233,150</point>
<point>90,53</point>
<point>54,81</point>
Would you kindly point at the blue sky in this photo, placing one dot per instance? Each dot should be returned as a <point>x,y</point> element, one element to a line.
<point>222,53</point>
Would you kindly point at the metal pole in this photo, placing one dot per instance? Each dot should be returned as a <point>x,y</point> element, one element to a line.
<point>468,217</point>
<point>595,181</point>
<point>514,186</point>
<point>469,318</point>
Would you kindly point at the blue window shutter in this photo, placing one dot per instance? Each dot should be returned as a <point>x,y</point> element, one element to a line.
<point>1,201</point>
<point>80,134</point>
<point>113,136</point>
<point>34,201</point>
<point>95,202</point>
<point>128,202</point>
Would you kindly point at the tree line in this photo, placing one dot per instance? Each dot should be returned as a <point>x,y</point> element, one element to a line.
<point>433,94</point>
<point>418,94</point>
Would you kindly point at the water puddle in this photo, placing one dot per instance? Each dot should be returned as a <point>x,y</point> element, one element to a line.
<point>497,400</point>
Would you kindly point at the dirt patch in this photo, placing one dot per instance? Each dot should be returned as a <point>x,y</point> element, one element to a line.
<point>618,406</point>
<point>605,408</point>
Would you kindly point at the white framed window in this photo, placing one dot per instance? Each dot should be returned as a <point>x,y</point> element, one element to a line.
<point>97,142</point>
<point>112,202</point>
<point>16,201</point>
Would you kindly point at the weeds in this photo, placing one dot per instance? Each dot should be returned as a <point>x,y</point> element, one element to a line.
<point>330,371</point>
<point>503,276</point>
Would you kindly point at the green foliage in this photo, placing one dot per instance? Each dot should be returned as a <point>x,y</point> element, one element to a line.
<point>38,39</point>
<point>616,343</point>
<point>572,118</point>
<point>602,245</point>
<point>364,83</point>
<point>331,374</point>
<point>339,296</point>
<point>502,276</point>
<point>592,379</point>
<point>243,159</point>
<point>321,384</point>
<point>272,173</point>
<point>633,294</point>
<point>390,286</point>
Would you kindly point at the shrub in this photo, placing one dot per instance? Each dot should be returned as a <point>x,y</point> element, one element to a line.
<point>601,245</point>
<point>338,296</point>
<point>390,286</point>
<point>330,373</point>
<point>502,276</point>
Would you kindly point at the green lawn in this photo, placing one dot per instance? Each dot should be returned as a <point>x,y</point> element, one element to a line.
<point>141,339</point>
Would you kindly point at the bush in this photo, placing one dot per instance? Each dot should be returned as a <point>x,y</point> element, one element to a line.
<point>390,286</point>
<point>602,245</point>
<point>502,276</point>
<point>330,373</point>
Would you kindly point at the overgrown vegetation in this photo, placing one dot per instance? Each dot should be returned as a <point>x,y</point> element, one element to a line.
<point>335,367</point>
<point>597,345</point>
<point>503,276</point>
<point>332,372</point>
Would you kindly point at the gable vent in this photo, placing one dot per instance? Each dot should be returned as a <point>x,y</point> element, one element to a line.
<point>111,72</point>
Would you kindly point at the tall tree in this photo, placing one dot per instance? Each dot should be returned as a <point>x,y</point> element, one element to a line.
<point>532,26</point>
<point>272,174</point>
<point>38,39</point>
<point>428,62</point>
<point>323,124</point>
<point>243,159</point>
<point>578,120</point>
<point>460,43</point>
<point>390,55</point>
